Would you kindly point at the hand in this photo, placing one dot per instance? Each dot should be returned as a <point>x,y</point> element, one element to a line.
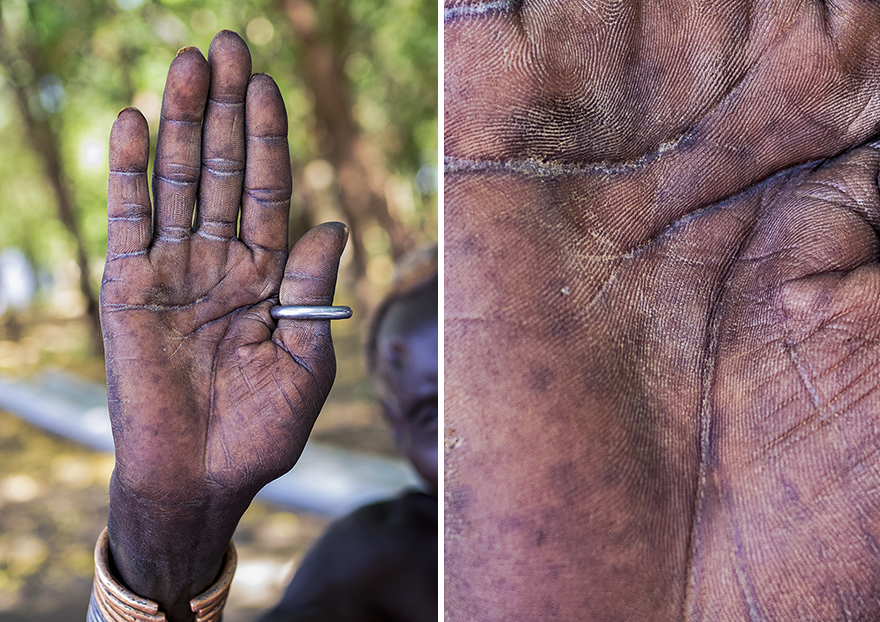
<point>661,316</point>
<point>209,400</point>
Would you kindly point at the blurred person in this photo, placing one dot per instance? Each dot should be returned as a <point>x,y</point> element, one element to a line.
<point>211,397</point>
<point>380,562</point>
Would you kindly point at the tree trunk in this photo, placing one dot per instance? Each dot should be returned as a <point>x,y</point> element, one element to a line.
<point>45,142</point>
<point>361,173</point>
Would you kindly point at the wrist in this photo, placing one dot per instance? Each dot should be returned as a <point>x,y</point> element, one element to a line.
<point>169,552</point>
<point>113,601</point>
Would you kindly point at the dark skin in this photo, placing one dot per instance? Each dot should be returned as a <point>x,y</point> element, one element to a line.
<point>380,562</point>
<point>210,399</point>
<point>661,311</point>
<point>406,378</point>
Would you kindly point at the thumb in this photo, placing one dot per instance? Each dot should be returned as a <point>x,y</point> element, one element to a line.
<point>310,274</point>
<point>310,279</point>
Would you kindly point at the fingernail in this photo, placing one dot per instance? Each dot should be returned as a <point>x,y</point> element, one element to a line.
<point>126,109</point>
<point>184,49</point>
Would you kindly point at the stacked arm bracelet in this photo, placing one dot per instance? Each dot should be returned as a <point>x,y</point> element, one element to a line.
<point>111,602</point>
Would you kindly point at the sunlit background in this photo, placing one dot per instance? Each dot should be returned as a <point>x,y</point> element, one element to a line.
<point>359,78</point>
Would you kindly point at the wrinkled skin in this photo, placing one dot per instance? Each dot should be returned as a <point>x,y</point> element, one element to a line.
<point>209,399</point>
<point>662,311</point>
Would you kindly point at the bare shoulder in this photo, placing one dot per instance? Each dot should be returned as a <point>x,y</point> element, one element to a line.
<point>388,536</point>
<point>413,511</point>
<point>377,563</point>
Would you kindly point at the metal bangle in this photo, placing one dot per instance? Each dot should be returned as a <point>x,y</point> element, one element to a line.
<point>112,602</point>
<point>310,313</point>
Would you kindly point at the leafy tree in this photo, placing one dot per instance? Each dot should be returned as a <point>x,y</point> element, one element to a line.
<point>359,79</point>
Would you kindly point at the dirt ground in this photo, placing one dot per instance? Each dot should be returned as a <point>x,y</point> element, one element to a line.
<point>53,493</point>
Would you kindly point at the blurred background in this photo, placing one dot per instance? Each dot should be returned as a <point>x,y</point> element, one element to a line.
<point>359,78</point>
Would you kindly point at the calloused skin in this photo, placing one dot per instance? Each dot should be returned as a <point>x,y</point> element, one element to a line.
<point>210,399</point>
<point>662,311</point>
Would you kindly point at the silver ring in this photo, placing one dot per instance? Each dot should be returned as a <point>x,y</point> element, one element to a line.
<point>310,313</point>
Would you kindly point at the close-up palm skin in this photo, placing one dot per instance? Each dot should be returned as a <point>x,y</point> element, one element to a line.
<point>661,302</point>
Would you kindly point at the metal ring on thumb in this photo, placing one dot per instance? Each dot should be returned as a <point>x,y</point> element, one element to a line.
<point>310,313</point>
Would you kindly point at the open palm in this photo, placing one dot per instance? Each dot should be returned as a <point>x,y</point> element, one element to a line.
<point>209,399</point>
<point>662,311</point>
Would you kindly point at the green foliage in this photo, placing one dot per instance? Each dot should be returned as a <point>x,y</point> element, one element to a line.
<point>84,60</point>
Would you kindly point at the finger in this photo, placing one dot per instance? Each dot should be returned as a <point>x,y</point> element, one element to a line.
<point>129,216</point>
<point>176,169</point>
<point>223,153</point>
<point>310,274</point>
<point>310,279</point>
<point>267,180</point>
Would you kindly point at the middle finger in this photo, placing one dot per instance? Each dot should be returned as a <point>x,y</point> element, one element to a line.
<point>178,148</point>
<point>223,155</point>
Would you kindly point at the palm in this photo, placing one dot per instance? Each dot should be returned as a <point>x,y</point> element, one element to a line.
<point>680,345</point>
<point>213,355</point>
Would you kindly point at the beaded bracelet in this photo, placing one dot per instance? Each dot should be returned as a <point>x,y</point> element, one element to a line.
<point>114,603</point>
